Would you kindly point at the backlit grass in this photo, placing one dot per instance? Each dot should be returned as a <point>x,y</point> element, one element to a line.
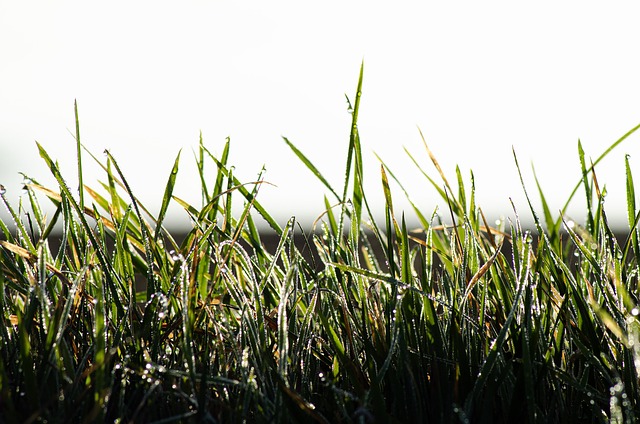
<point>463,321</point>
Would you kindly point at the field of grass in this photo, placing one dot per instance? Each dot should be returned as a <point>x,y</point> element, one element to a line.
<point>464,321</point>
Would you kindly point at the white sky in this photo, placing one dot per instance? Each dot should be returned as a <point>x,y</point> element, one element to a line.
<point>477,78</point>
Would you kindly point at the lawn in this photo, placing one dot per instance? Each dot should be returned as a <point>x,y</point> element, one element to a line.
<point>463,321</point>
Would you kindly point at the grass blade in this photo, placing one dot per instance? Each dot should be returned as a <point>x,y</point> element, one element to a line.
<point>168,192</point>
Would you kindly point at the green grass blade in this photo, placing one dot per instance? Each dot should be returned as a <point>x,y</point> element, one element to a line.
<point>152,286</point>
<point>552,225</point>
<point>79,155</point>
<point>314,170</point>
<point>587,188</point>
<point>353,147</point>
<point>166,199</point>
<point>245,193</point>
<point>417,211</point>
<point>631,209</point>
<point>600,158</point>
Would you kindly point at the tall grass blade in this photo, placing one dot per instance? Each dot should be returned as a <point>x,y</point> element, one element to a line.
<point>631,210</point>
<point>79,155</point>
<point>353,146</point>
<point>166,199</point>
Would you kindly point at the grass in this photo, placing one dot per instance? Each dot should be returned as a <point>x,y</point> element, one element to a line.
<point>459,322</point>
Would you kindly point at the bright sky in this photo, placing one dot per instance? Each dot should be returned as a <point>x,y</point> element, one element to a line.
<point>478,78</point>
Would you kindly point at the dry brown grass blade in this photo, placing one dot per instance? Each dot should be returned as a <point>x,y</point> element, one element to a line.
<point>19,250</point>
<point>56,197</point>
<point>435,161</point>
<point>483,270</point>
<point>31,258</point>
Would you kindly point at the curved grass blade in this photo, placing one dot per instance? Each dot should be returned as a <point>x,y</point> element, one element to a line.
<point>600,158</point>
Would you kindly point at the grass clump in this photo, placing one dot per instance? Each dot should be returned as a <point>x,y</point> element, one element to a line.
<point>459,322</point>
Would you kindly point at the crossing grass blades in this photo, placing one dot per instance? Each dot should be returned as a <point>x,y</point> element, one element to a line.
<point>463,321</point>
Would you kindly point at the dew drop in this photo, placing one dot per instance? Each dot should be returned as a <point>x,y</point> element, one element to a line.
<point>2,190</point>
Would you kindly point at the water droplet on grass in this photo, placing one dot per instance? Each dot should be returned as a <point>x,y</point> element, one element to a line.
<point>2,190</point>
